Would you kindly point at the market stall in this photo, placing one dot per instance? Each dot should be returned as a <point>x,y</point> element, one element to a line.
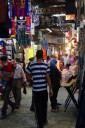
<point>69,82</point>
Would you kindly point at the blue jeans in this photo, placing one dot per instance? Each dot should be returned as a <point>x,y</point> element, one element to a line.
<point>6,98</point>
<point>4,83</point>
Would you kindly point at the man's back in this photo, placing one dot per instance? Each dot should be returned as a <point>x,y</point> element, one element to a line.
<point>38,71</point>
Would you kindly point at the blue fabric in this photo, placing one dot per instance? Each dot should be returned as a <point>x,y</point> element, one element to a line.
<point>53,62</point>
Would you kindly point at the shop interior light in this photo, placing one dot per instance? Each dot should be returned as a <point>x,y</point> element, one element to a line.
<point>58,15</point>
<point>49,30</point>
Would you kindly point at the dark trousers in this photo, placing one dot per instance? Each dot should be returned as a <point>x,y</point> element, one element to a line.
<point>32,104</point>
<point>6,98</point>
<point>81,115</point>
<point>53,99</point>
<point>16,88</point>
<point>40,104</point>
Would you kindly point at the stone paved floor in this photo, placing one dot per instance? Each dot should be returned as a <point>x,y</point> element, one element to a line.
<point>24,118</point>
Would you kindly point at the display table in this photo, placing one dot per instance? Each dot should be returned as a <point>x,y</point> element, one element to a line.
<point>71,88</point>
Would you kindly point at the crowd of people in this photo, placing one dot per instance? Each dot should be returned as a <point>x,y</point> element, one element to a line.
<point>39,74</point>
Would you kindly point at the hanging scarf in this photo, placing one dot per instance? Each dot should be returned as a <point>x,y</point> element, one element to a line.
<point>26,7</point>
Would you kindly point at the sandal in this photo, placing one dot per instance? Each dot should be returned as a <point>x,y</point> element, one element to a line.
<point>54,110</point>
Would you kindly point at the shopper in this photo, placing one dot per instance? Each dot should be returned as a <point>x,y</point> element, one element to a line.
<point>39,71</point>
<point>6,75</point>
<point>66,60</point>
<point>55,75</point>
<point>18,79</point>
<point>48,60</point>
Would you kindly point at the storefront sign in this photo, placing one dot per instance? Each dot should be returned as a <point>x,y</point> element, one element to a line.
<point>52,10</point>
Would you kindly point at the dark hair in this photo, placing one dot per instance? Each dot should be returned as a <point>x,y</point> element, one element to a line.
<point>48,57</point>
<point>4,58</point>
<point>39,54</point>
<point>31,59</point>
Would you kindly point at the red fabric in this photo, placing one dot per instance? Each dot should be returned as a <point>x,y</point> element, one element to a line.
<point>18,11</point>
<point>8,68</point>
<point>13,24</point>
<point>28,20</point>
<point>23,12</point>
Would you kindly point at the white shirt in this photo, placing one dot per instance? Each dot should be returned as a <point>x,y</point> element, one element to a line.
<point>19,73</point>
<point>66,60</point>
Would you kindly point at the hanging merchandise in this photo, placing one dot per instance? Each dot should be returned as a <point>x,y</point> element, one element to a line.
<point>10,12</point>
<point>45,45</point>
<point>28,24</point>
<point>36,19</point>
<point>27,29</point>
<point>30,53</point>
<point>19,7</point>
<point>3,10</point>
<point>28,21</point>
<point>26,7</point>
<point>13,30</point>
<point>22,37</point>
<point>22,3</point>
<point>3,48</point>
<point>32,29</point>
<point>44,54</point>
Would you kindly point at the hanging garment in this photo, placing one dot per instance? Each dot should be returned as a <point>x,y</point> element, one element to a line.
<point>3,10</point>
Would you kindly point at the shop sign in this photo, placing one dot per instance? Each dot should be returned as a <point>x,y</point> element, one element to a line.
<point>52,10</point>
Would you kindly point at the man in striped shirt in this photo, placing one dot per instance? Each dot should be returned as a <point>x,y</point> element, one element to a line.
<point>39,71</point>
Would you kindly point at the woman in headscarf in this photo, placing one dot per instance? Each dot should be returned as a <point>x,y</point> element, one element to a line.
<point>55,75</point>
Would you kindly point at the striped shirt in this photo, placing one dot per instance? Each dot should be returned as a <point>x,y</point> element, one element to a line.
<point>38,72</point>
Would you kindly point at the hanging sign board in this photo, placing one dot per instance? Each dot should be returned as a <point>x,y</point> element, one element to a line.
<point>52,10</point>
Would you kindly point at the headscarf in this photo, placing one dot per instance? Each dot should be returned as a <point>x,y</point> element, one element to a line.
<point>53,62</point>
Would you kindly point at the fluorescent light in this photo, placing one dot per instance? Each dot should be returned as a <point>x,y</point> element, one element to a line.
<point>57,15</point>
<point>49,30</point>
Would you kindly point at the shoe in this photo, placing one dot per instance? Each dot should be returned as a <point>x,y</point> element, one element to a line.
<point>45,122</point>
<point>17,106</point>
<point>54,110</point>
<point>3,116</point>
<point>58,104</point>
<point>32,109</point>
<point>13,108</point>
